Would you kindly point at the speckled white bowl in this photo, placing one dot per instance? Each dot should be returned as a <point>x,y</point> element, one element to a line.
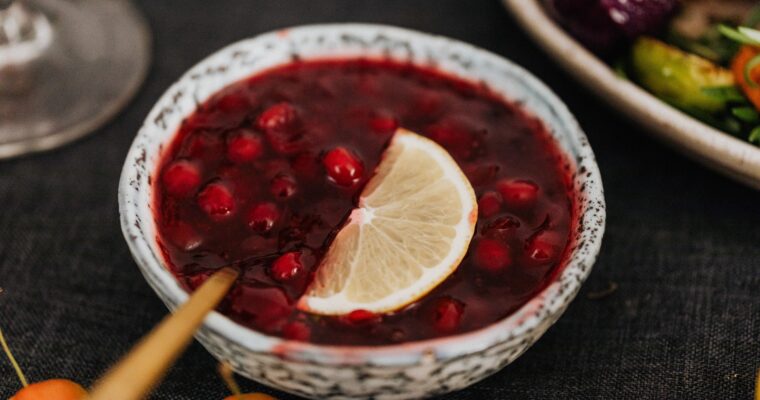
<point>410,370</point>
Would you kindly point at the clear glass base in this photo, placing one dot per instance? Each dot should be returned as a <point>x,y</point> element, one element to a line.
<point>97,57</point>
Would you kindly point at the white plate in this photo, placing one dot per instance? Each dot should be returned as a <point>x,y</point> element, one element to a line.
<point>731,156</point>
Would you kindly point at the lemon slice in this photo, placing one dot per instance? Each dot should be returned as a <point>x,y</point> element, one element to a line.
<point>415,220</point>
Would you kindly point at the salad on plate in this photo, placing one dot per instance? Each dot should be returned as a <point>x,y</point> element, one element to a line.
<point>700,56</point>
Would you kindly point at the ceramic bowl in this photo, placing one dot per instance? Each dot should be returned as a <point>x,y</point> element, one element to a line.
<point>718,150</point>
<point>404,371</point>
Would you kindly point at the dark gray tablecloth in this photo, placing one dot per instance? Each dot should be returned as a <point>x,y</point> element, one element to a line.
<point>682,242</point>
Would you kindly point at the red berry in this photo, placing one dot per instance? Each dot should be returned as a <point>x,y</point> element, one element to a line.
<point>184,236</point>
<point>244,146</point>
<point>501,227</point>
<point>448,314</point>
<point>216,200</point>
<point>518,193</point>
<point>480,174</point>
<point>544,247</point>
<point>232,103</point>
<point>265,305</point>
<point>361,317</point>
<point>492,255</point>
<point>181,178</point>
<point>287,266</point>
<point>263,216</point>
<point>283,186</point>
<point>343,167</point>
<point>276,117</point>
<point>454,138</point>
<point>383,124</point>
<point>296,331</point>
<point>489,204</point>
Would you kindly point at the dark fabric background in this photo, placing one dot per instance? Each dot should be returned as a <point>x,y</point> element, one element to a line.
<point>682,242</point>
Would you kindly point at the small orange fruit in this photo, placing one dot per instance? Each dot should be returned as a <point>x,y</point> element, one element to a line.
<point>52,389</point>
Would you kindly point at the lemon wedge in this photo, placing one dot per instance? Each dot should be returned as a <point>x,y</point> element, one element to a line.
<point>412,227</point>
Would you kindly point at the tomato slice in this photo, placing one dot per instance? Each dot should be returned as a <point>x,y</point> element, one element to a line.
<point>739,64</point>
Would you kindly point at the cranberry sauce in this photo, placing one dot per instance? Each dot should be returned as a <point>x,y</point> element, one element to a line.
<point>269,168</point>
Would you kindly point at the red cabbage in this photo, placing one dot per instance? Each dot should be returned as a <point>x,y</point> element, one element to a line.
<point>603,25</point>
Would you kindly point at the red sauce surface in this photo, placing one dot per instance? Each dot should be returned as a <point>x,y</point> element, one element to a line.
<point>249,176</point>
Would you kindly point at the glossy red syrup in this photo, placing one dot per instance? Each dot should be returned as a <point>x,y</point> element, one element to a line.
<point>267,170</point>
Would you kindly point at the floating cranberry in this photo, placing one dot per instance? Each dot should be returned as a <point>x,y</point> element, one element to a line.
<point>283,186</point>
<point>362,317</point>
<point>501,227</point>
<point>492,255</point>
<point>200,145</point>
<point>489,204</point>
<point>265,305</point>
<point>216,200</point>
<point>184,236</point>
<point>480,174</point>
<point>544,247</point>
<point>232,103</point>
<point>263,216</point>
<point>276,117</point>
<point>342,166</point>
<point>455,138</point>
<point>383,124</point>
<point>518,193</point>
<point>181,178</point>
<point>287,266</point>
<point>296,330</point>
<point>244,146</point>
<point>448,314</point>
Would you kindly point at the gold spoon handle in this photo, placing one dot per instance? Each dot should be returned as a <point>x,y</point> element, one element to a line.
<point>136,374</point>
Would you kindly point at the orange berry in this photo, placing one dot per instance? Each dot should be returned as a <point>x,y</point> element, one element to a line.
<point>52,389</point>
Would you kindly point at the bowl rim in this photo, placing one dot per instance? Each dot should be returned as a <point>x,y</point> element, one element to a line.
<point>709,146</point>
<point>513,327</point>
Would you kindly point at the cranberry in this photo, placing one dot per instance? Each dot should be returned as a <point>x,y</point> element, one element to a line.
<point>287,266</point>
<point>342,166</point>
<point>232,103</point>
<point>265,305</point>
<point>276,117</point>
<point>362,317</point>
<point>263,216</point>
<point>283,186</point>
<point>492,255</point>
<point>383,124</point>
<point>489,204</point>
<point>501,227</point>
<point>296,330</point>
<point>518,193</point>
<point>456,139</point>
<point>448,314</point>
<point>544,247</point>
<point>200,144</point>
<point>181,178</point>
<point>480,174</point>
<point>244,146</point>
<point>184,236</point>
<point>216,200</point>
